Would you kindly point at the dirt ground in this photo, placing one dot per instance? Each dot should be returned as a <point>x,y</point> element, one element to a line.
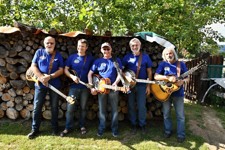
<point>213,131</point>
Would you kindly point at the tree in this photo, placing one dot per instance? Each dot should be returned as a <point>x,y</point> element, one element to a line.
<point>181,22</point>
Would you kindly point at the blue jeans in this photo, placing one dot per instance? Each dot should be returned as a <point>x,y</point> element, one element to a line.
<point>178,103</point>
<point>39,99</point>
<point>137,100</point>
<point>80,95</point>
<point>113,99</point>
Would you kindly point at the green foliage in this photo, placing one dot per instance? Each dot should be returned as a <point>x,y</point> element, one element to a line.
<point>215,100</point>
<point>181,22</point>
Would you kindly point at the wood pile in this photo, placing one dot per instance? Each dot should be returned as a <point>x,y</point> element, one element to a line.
<point>16,53</point>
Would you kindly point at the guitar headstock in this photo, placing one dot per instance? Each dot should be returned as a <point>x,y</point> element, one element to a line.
<point>70,99</point>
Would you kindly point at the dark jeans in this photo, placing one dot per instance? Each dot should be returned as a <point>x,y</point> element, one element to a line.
<point>39,99</point>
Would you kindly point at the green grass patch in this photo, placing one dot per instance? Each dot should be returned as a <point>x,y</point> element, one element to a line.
<point>13,135</point>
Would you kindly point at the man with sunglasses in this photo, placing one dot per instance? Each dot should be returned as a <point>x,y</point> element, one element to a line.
<point>105,68</point>
<point>47,65</point>
<point>140,63</point>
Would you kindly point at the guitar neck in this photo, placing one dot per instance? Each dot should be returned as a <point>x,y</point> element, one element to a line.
<point>57,91</point>
<point>146,81</point>
<point>112,87</point>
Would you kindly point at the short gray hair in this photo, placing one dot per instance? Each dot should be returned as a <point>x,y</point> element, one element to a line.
<point>172,49</point>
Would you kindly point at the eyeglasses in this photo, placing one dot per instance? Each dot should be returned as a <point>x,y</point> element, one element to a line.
<point>106,49</point>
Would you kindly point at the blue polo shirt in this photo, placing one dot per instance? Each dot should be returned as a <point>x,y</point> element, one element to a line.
<point>42,59</point>
<point>165,68</point>
<point>105,68</point>
<point>130,61</point>
<point>81,65</point>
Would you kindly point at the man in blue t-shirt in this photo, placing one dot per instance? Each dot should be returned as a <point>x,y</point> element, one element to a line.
<point>105,68</point>
<point>169,70</point>
<point>140,63</point>
<point>76,68</point>
<point>47,65</point>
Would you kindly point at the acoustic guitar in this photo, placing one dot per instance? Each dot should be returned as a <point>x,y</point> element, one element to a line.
<point>163,91</point>
<point>131,80</point>
<point>30,76</point>
<point>103,85</point>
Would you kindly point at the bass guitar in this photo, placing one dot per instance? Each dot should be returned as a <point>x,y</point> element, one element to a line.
<point>131,80</point>
<point>163,91</point>
<point>103,85</point>
<point>30,76</point>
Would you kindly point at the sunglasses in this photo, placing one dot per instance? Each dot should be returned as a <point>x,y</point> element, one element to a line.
<point>106,49</point>
<point>50,43</point>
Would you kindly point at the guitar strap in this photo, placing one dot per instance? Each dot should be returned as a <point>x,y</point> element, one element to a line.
<point>178,68</point>
<point>139,65</point>
<point>51,63</point>
<point>118,70</point>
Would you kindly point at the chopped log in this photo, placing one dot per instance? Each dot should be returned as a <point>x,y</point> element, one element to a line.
<point>3,80</point>
<point>26,55</point>
<point>120,116</point>
<point>21,69</point>
<point>11,61</point>
<point>13,75</point>
<point>122,103</point>
<point>61,114</point>
<point>6,97</point>
<point>3,52</point>
<point>3,72</point>
<point>25,113</point>
<point>19,107</point>
<point>10,104</point>
<point>47,114</point>
<point>95,107</point>
<point>158,112</point>
<point>26,89</point>
<point>10,68</point>
<point>2,62</point>
<point>25,102</point>
<point>11,113</point>
<point>149,115</point>
<point>124,110</point>
<point>18,100</point>
<point>2,113</point>
<point>30,107</point>
<point>23,76</point>
<point>19,91</point>
<point>47,103</point>
<point>18,48</point>
<point>12,92</point>
<point>91,115</point>
<point>63,106</point>
<point>3,106</point>
<point>17,84</point>
<point>23,62</point>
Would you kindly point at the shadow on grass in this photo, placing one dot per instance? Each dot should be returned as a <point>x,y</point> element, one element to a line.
<point>152,137</point>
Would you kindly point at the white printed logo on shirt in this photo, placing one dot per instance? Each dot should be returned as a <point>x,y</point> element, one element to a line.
<point>76,61</point>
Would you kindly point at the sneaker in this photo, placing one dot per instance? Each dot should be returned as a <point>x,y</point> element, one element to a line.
<point>99,133</point>
<point>167,135</point>
<point>180,140</point>
<point>64,133</point>
<point>32,134</point>
<point>115,134</point>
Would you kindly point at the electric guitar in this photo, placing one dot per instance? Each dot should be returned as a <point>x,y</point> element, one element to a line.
<point>30,76</point>
<point>163,91</point>
<point>131,80</point>
<point>102,85</point>
<point>81,82</point>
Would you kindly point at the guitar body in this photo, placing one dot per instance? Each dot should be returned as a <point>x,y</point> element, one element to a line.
<point>129,77</point>
<point>163,92</point>
<point>99,83</point>
<point>30,76</point>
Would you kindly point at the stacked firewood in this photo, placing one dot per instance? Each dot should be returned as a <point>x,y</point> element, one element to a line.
<point>16,53</point>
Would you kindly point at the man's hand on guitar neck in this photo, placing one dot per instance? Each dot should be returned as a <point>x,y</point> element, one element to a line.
<point>75,78</point>
<point>44,79</point>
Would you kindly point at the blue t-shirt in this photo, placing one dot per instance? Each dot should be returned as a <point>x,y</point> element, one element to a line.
<point>42,59</point>
<point>81,65</point>
<point>165,68</point>
<point>130,61</point>
<point>105,68</point>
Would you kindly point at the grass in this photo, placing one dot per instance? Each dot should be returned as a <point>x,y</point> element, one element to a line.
<point>13,135</point>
